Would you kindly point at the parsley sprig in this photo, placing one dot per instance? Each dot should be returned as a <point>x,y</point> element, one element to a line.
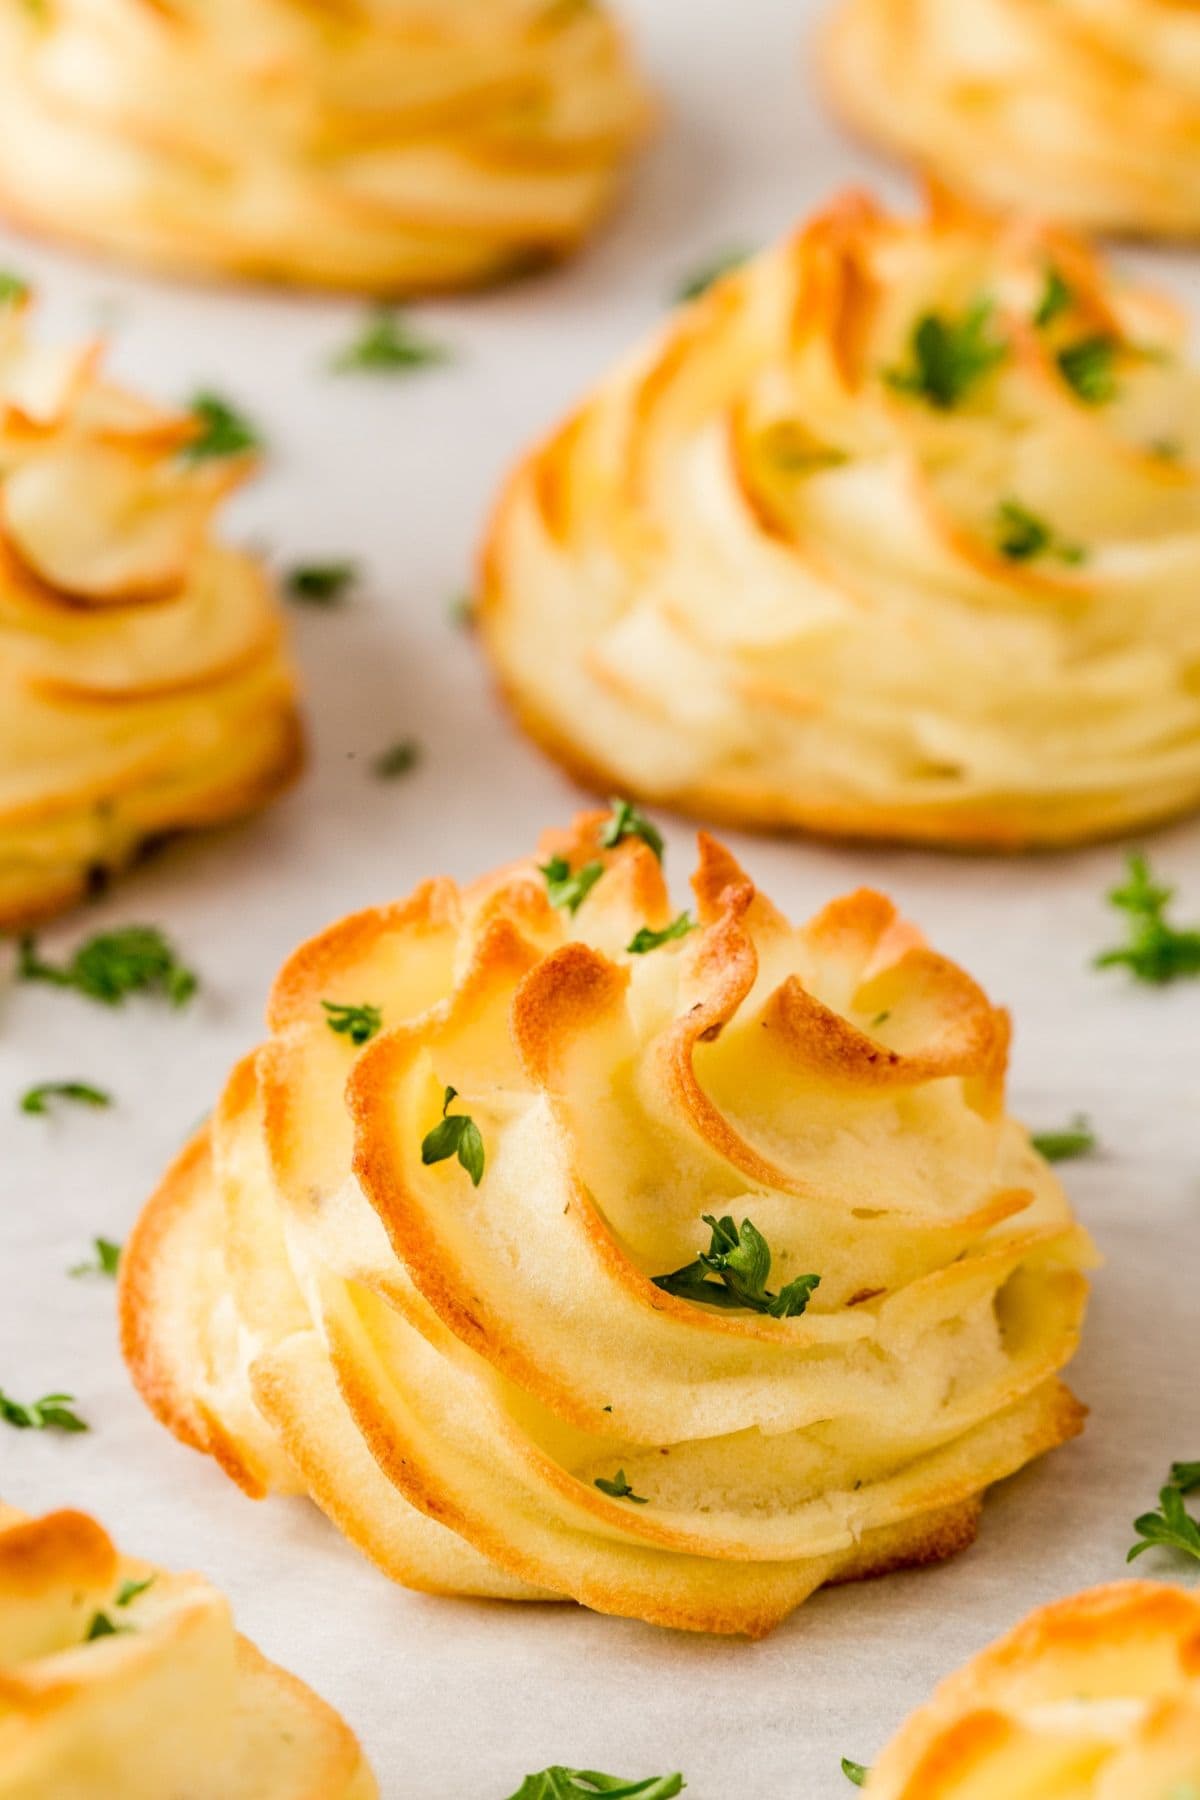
<point>647,939</point>
<point>321,584</point>
<point>106,1261</point>
<point>1022,535</point>
<point>740,1260</point>
<point>456,1135</point>
<point>949,356</point>
<point>1172,1525</point>
<point>707,274</point>
<point>582,1784</point>
<point>223,431</point>
<point>114,964</point>
<point>855,1772</point>
<point>103,1625</point>
<point>50,1413</point>
<point>1088,367</point>
<point>358,1023</point>
<point>398,759</point>
<point>36,1099</point>
<point>627,821</point>
<point>568,887</point>
<point>1157,952</point>
<point>619,1489</point>
<point>387,343</point>
<point>1077,1139</point>
<point>1057,297</point>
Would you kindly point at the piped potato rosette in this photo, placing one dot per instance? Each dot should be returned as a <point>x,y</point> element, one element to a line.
<point>381,146</point>
<point>145,687</point>
<point>895,532</point>
<point>1092,1698</point>
<point>117,1678</point>
<point>1088,110</point>
<point>563,1245</point>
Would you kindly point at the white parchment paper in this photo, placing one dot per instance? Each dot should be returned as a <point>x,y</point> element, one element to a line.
<point>457,1700</point>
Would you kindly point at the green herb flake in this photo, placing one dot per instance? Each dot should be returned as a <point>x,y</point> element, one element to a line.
<point>1057,297</point>
<point>462,609</point>
<point>128,1591</point>
<point>1088,367</point>
<point>358,1023</point>
<point>387,343</point>
<point>321,584</point>
<point>36,1099</point>
<point>740,1260</point>
<point>1061,1146</point>
<point>582,1784</point>
<point>114,964</point>
<point>223,431</point>
<point>107,1260</point>
<point>102,1627</point>
<point>619,1489</point>
<point>627,821</point>
<point>456,1135</point>
<point>646,939</point>
<point>13,289</point>
<point>948,357</point>
<point>50,1413</point>
<point>707,274</point>
<point>1157,952</point>
<point>855,1772</point>
<point>398,759</point>
<point>1021,536</point>
<point>1172,1526</point>
<point>567,887</point>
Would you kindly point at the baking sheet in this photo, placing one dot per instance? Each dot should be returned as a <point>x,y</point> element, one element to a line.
<point>455,1698</point>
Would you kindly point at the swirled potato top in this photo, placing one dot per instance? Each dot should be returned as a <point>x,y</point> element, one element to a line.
<point>896,532</point>
<point>560,1243</point>
<point>382,145</point>
<point>1087,110</point>
<point>117,1678</point>
<point>1094,1698</point>
<point>144,682</point>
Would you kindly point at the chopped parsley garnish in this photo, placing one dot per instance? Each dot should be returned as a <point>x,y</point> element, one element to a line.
<point>456,1135</point>
<point>129,1590</point>
<point>1165,449</point>
<point>461,608</point>
<point>627,821</point>
<point>646,939</point>
<point>35,1099</point>
<point>948,356</point>
<point>321,584</point>
<point>855,1772</point>
<point>1088,368</point>
<point>387,342</point>
<point>12,288</point>
<point>358,1023</point>
<point>1057,297</point>
<point>106,1261</point>
<point>102,1627</point>
<point>223,430</point>
<point>50,1413</point>
<point>1060,1146</point>
<point>398,759</point>
<point>114,964</point>
<point>1172,1526</point>
<point>710,272</point>
<point>1157,951</point>
<point>619,1489</point>
<point>567,887</point>
<point>1021,536</point>
<point>741,1263</point>
<point>582,1784</point>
